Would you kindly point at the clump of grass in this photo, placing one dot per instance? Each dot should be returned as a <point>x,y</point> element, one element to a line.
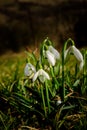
<point>51,94</point>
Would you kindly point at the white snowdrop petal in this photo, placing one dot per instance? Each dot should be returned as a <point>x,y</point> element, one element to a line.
<point>42,75</point>
<point>77,54</point>
<point>26,70</point>
<point>35,76</point>
<point>29,69</point>
<point>55,52</point>
<point>81,65</point>
<point>51,58</point>
<point>42,78</point>
<point>45,74</point>
<point>58,102</point>
<point>32,67</point>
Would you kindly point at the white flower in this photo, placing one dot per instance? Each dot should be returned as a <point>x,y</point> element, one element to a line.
<point>55,52</point>
<point>51,58</point>
<point>58,102</point>
<point>81,65</point>
<point>77,54</point>
<point>42,75</point>
<point>29,69</point>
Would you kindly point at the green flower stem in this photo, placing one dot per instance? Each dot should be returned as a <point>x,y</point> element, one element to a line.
<point>42,53</point>
<point>43,99</point>
<point>69,41</point>
<point>43,47</point>
<point>47,96</point>
<point>54,78</point>
<point>64,48</point>
<point>63,88</point>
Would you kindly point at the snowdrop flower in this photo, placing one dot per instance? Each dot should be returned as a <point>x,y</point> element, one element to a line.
<point>51,58</point>
<point>55,52</point>
<point>81,65</point>
<point>58,102</point>
<point>42,75</point>
<point>77,54</point>
<point>29,69</point>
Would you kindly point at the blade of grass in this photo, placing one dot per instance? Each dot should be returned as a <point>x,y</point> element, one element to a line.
<point>47,96</point>
<point>43,100</point>
<point>2,120</point>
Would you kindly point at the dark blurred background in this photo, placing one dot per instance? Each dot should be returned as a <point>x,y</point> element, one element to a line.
<point>27,22</point>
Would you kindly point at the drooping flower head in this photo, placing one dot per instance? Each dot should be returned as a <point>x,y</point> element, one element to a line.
<point>29,69</point>
<point>78,56</point>
<point>54,52</point>
<point>42,75</point>
<point>52,55</point>
<point>72,49</point>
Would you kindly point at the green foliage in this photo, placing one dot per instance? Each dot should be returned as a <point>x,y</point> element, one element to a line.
<point>53,96</point>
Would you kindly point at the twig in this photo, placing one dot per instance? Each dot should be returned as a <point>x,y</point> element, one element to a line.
<point>30,128</point>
